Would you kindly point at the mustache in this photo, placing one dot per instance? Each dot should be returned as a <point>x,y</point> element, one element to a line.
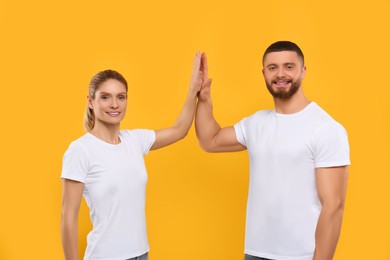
<point>282,78</point>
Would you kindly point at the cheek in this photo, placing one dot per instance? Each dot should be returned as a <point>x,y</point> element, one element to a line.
<point>100,106</point>
<point>299,77</point>
<point>268,76</point>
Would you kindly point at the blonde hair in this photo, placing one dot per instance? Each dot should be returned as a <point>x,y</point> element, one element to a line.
<point>94,84</point>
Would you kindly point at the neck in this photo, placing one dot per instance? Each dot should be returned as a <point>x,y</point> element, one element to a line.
<point>107,133</point>
<point>292,105</point>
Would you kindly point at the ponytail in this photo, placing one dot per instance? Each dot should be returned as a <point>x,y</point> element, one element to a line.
<point>89,119</point>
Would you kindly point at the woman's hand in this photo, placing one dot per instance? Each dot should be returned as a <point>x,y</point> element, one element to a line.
<point>183,123</point>
<point>199,77</point>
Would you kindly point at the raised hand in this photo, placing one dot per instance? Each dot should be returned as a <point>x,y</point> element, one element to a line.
<point>204,93</point>
<point>197,74</point>
<point>179,130</point>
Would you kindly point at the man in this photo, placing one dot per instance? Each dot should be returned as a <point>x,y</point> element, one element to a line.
<point>298,163</point>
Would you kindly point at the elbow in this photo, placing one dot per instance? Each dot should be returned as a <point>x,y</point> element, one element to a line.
<point>206,147</point>
<point>69,218</point>
<point>66,221</point>
<point>183,134</point>
<point>335,207</point>
<point>180,132</point>
<point>180,136</point>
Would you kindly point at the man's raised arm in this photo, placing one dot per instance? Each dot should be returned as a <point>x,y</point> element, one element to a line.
<point>212,138</point>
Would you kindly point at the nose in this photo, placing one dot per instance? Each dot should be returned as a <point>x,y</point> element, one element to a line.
<point>281,73</point>
<point>114,103</point>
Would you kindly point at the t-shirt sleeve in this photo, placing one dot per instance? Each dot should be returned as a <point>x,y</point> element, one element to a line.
<point>145,139</point>
<point>75,163</point>
<point>331,147</point>
<point>241,131</point>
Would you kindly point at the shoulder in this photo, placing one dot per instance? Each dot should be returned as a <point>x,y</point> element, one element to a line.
<point>326,122</point>
<point>139,135</point>
<point>81,143</point>
<point>78,146</point>
<point>134,133</point>
<point>250,124</point>
<point>257,116</point>
<point>328,134</point>
<point>142,139</point>
<point>321,114</point>
<point>261,113</point>
<point>329,128</point>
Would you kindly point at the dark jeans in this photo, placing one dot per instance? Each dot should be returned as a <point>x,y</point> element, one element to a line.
<point>251,257</point>
<point>141,257</point>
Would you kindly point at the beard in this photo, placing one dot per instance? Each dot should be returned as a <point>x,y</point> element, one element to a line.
<point>282,93</point>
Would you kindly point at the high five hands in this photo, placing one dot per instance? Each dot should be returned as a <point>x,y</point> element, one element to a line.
<point>200,83</point>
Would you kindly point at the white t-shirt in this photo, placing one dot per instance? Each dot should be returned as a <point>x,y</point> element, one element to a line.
<point>283,206</point>
<point>115,179</point>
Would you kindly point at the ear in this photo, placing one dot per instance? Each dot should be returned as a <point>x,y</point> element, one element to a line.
<point>89,100</point>
<point>303,72</point>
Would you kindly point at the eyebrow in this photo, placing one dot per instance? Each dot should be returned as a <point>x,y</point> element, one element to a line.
<point>106,93</point>
<point>284,64</point>
<point>272,64</point>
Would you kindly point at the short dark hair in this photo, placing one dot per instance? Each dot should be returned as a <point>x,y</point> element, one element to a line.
<point>284,46</point>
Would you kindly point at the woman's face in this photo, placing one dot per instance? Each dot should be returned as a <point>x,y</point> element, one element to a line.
<point>110,102</point>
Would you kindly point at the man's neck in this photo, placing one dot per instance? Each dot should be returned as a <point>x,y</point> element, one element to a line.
<point>292,105</point>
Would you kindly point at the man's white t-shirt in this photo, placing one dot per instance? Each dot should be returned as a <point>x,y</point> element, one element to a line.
<point>284,150</point>
<point>115,180</point>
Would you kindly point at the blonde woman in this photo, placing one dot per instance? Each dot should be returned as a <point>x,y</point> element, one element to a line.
<point>106,166</point>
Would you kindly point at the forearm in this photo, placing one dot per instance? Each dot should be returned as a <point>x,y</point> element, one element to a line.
<point>186,116</point>
<point>180,129</point>
<point>206,125</point>
<point>69,238</point>
<point>328,232</point>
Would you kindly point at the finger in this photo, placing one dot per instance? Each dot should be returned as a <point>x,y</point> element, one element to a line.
<point>204,67</point>
<point>207,85</point>
<point>195,70</point>
<point>197,61</point>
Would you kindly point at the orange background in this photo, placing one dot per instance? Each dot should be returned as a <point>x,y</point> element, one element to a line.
<point>196,202</point>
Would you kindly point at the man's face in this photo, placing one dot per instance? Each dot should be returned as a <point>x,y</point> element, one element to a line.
<point>283,73</point>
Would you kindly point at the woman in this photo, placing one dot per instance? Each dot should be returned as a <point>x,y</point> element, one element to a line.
<point>106,166</point>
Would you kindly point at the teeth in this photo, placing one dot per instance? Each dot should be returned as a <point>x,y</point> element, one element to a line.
<point>281,82</point>
<point>113,114</point>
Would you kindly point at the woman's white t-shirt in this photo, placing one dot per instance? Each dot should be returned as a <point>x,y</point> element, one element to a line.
<point>115,180</point>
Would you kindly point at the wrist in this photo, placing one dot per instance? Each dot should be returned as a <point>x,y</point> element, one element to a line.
<point>192,92</point>
<point>206,101</point>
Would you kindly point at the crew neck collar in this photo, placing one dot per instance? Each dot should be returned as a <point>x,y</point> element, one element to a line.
<point>106,143</point>
<point>306,108</point>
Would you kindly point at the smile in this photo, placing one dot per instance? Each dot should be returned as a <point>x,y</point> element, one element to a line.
<point>282,83</point>
<point>113,113</point>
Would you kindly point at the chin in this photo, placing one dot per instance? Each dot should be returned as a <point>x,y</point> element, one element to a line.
<point>113,122</point>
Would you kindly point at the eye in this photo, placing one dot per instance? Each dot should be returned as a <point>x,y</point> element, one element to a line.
<point>290,66</point>
<point>122,97</point>
<point>272,68</point>
<point>104,97</point>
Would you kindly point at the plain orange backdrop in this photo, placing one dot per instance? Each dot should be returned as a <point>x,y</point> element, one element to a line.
<point>196,202</point>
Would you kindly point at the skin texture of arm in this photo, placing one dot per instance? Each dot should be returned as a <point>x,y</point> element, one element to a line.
<point>331,188</point>
<point>183,123</point>
<point>211,137</point>
<point>71,200</point>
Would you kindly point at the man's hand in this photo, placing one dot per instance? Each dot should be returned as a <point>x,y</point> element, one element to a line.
<point>204,93</point>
